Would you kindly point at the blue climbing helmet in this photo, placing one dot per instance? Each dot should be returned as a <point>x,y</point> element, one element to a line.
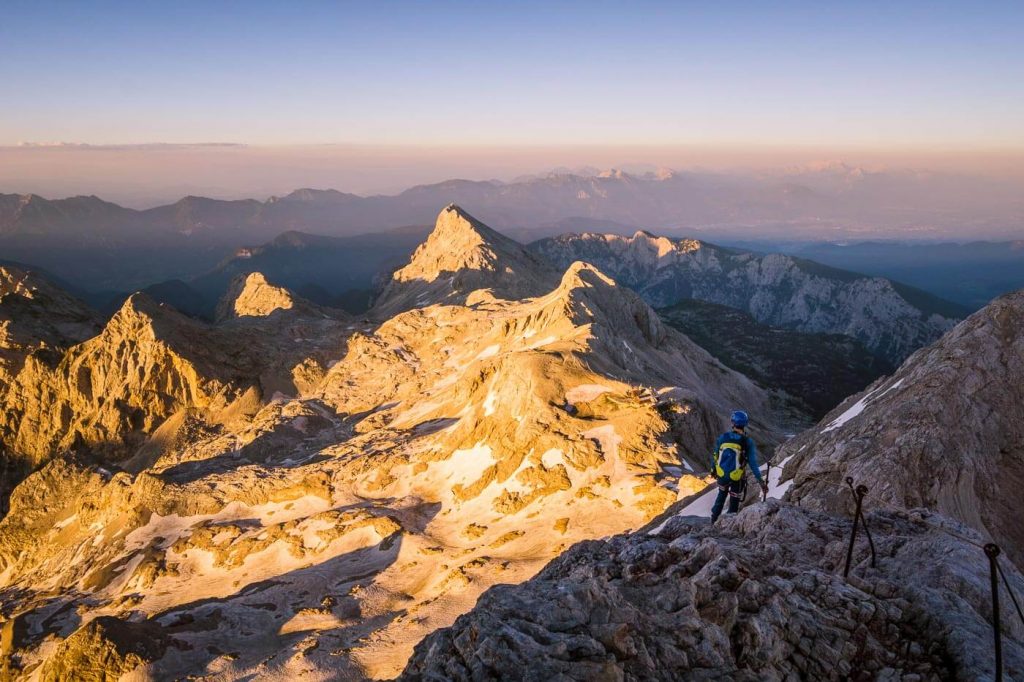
<point>739,418</point>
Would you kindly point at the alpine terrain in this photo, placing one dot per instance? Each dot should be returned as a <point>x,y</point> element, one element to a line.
<point>761,595</point>
<point>38,323</point>
<point>287,491</point>
<point>892,320</point>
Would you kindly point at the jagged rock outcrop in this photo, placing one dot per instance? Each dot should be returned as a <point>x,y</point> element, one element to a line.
<point>252,295</point>
<point>149,370</point>
<point>148,363</point>
<point>38,323</point>
<point>946,431</point>
<point>37,316</point>
<point>461,256</point>
<point>757,597</point>
<point>890,319</point>
<point>407,466</point>
<point>104,649</point>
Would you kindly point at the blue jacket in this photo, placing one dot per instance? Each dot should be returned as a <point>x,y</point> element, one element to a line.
<point>732,436</point>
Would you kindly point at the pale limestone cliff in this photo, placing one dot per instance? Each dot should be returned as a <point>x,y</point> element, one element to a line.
<point>252,295</point>
<point>462,256</point>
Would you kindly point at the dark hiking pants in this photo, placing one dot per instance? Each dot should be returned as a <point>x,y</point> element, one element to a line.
<point>728,488</point>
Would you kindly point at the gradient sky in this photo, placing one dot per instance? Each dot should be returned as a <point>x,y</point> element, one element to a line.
<point>922,75</point>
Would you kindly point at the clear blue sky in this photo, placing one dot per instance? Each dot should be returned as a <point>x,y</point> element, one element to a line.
<point>858,73</point>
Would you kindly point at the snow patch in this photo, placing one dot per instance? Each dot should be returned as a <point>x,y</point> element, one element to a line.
<point>488,352</point>
<point>490,402</point>
<point>466,466</point>
<point>702,505</point>
<point>584,393</point>
<point>552,458</point>
<point>65,522</point>
<point>543,342</point>
<point>858,407</point>
<point>606,437</point>
<point>775,489</point>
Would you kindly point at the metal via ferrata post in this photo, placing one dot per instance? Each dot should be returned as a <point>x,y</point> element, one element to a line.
<point>858,518</point>
<point>992,552</point>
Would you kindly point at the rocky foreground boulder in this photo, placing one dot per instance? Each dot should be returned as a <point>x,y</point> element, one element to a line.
<point>760,596</point>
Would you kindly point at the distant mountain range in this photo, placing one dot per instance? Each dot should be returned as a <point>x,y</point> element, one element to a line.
<point>96,244</point>
<point>892,320</point>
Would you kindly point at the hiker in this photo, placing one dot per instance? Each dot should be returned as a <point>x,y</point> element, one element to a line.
<point>734,450</point>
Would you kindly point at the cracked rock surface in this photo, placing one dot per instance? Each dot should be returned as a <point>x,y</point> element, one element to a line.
<point>760,596</point>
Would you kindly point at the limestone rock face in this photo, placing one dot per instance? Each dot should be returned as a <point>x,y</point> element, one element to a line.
<point>37,316</point>
<point>755,598</point>
<point>890,319</point>
<point>147,373</point>
<point>462,255</point>
<point>38,323</point>
<point>252,295</point>
<point>148,363</point>
<point>104,649</point>
<point>946,431</point>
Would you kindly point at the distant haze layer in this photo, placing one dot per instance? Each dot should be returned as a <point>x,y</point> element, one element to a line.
<point>142,176</point>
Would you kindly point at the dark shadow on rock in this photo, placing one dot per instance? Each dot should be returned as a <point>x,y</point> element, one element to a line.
<point>433,426</point>
<point>264,623</point>
<point>275,448</point>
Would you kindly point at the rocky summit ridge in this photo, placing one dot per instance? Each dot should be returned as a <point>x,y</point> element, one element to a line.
<point>460,256</point>
<point>762,595</point>
<point>37,315</point>
<point>289,492</point>
<point>251,295</point>
<point>38,323</point>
